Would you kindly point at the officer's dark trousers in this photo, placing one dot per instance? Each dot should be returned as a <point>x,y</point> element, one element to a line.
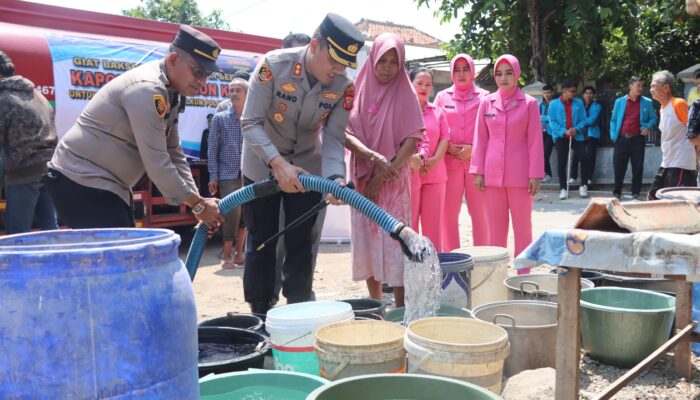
<point>262,219</point>
<point>629,149</point>
<point>82,207</point>
<point>579,149</point>
<point>548,145</point>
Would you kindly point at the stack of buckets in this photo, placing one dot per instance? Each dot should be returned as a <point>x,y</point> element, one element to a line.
<point>321,338</point>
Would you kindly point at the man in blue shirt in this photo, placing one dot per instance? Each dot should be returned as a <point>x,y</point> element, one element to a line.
<point>567,119</point>
<point>547,142</point>
<point>591,135</point>
<point>632,120</point>
<point>224,163</point>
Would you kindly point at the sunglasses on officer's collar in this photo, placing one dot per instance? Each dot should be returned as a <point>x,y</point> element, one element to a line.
<point>197,71</point>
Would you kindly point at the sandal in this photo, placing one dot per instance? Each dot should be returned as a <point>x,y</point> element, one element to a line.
<point>228,263</point>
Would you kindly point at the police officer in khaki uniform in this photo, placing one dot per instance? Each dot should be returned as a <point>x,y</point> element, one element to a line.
<point>130,128</point>
<point>293,94</point>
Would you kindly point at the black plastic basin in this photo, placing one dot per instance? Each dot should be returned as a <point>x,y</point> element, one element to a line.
<point>366,307</point>
<point>235,320</point>
<point>223,349</point>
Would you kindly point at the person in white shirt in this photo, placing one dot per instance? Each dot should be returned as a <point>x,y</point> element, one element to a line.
<point>679,159</point>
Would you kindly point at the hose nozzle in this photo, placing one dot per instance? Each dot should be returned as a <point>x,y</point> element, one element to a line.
<point>411,246</point>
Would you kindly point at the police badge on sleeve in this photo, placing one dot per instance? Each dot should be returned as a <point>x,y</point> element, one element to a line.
<point>160,105</point>
<point>264,74</point>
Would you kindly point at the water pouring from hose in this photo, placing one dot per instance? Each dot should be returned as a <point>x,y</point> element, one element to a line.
<point>396,229</point>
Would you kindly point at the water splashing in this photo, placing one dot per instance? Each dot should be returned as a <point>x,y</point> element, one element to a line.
<point>422,277</point>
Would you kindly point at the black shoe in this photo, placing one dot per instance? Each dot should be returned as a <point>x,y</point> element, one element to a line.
<point>387,289</point>
<point>617,195</point>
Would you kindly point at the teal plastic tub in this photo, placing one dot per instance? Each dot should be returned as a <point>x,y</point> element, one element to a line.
<point>259,384</point>
<point>400,386</point>
<point>622,326</point>
<point>396,315</point>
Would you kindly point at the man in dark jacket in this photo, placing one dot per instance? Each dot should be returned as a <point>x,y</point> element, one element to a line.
<point>28,138</point>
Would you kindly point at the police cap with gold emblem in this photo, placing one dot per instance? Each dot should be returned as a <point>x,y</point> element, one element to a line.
<point>200,46</point>
<point>344,40</point>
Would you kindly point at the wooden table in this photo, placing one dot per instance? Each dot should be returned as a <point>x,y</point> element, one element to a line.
<point>641,254</point>
<point>569,346</point>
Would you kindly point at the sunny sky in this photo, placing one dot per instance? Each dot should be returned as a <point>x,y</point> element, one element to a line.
<point>276,18</point>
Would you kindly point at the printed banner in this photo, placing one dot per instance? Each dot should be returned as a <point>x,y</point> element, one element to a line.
<point>82,65</point>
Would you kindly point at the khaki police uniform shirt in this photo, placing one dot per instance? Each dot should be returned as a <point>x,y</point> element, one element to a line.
<point>284,116</point>
<point>127,129</point>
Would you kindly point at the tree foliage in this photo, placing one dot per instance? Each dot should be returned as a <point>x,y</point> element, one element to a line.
<point>603,40</point>
<point>177,11</point>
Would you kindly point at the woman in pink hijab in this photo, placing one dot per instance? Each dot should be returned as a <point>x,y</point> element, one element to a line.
<point>460,103</point>
<point>507,159</point>
<point>384,126</point>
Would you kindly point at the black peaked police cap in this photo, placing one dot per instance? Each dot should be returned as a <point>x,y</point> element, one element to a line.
<point>200,46</point>
<point>344,40</point>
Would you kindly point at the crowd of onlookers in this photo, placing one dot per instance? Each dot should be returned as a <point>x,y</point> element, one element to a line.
<point>628,134</point>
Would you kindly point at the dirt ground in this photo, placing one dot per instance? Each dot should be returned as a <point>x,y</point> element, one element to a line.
<point>220,291</point>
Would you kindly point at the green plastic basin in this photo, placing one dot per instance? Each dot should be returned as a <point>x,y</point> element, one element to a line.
<point>259,384</point>
<point>396,315</point>
<point>622,326</point>
<point>400,387</point>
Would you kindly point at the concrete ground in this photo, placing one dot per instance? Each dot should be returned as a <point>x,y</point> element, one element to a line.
<point>220,291</point>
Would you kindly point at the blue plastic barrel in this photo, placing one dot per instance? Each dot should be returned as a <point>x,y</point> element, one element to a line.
<point>101,313</point>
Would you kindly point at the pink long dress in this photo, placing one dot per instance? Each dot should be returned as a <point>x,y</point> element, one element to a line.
<point>382,118</point>
<point>374,252</point>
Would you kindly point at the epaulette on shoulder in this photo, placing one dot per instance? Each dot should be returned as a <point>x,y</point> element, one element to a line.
<point>282,55</point>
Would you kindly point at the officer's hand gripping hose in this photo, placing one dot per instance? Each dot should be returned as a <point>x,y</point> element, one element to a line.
<point>396,229</point>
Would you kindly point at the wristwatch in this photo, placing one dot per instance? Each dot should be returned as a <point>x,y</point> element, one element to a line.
<point>198,208</point>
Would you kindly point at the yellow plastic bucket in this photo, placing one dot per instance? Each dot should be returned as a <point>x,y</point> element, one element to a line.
<point>467,349</point>
<point>354,348</point>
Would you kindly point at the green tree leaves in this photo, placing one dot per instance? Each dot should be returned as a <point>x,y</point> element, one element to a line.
<point>603,40</point>
<point>177,11</point>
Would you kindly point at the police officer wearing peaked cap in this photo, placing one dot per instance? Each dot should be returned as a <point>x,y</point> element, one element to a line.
<point>130,127</point>
<point>294,120</point>
<point>199,46</point>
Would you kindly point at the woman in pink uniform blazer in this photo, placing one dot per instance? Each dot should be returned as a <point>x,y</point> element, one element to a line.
<point>429,174</point>
<point>460,103</point>
<point>507,160</point>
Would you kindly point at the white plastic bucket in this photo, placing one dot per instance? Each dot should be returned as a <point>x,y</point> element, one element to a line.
<point>490,269</point>
<point>354,348</point>
<point>467,349</point>
<point>293,328</point>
